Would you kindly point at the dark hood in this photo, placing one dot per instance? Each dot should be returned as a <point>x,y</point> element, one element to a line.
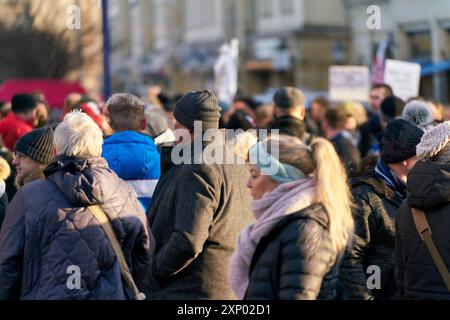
<point>84,182</point>
<point>429,185</point>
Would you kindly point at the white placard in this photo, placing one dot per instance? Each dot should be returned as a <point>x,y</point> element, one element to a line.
<point>349,83</point>
<point>403,77</point>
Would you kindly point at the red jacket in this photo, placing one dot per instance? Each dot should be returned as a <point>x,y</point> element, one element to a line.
<point>12,128</point>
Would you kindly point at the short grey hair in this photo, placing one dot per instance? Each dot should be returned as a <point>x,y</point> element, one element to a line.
<point>78,136</point>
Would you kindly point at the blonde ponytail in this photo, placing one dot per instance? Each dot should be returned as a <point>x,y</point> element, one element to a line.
<point>333,192</point>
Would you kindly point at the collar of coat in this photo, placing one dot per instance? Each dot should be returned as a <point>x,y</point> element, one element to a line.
<point>378,185</point>
<point>33,175</point>
<point>314,212</point>
<point>166,152</point>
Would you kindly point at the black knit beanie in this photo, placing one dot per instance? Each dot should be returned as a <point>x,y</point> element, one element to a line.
<point>198,106</point>
<point>399,141</point>
<point>37,144</point>
<point>22,103</point>
<point>391,108</point>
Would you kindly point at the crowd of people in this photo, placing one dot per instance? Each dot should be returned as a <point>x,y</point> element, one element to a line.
<point>328,194</point>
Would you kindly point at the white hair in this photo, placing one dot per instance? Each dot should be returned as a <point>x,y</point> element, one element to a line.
<point>418,113</point>
<point>78,136</point>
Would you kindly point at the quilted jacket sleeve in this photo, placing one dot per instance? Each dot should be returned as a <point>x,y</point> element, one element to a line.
<point>352,273</point>
<point>305,260</point>
<point>195,207</point>
<point>12,239</point>
<point>141,256</point>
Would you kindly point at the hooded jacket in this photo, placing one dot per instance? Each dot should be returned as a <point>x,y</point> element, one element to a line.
<point>429,190</point>
<point>49,238</point>
<point>134,157</point>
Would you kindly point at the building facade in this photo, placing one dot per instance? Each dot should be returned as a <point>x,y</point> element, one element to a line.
<point>174,43</point>
<point>282,42</point>
<point>416,31</point>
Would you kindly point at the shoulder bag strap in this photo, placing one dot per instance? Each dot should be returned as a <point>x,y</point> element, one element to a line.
<point>420,220</point>
<point>101,217</point>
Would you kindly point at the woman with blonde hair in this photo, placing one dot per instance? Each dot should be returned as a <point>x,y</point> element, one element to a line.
<point>302,206</point>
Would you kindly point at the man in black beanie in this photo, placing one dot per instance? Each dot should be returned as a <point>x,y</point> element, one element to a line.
<point>196,214</point>
<point>32,153</point>
<point>290,114</point>
<point>391,108</point>
<point>18,122</point>
<point>378,195</point>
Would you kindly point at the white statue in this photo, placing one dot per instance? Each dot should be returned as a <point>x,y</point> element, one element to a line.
<point>226,71</point>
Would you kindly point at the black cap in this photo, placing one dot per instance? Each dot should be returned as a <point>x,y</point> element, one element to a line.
<point>198,106</point>
<point>21,103</point>
<point>289,97</point>
<point>37,144</point>
<point>399,141</point>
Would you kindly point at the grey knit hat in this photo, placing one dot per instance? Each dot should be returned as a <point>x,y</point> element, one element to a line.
<point>289,97</point>
<point>433,141</point>
<point>418,113</point>
<point>37,144</point>
<point>198,106</point>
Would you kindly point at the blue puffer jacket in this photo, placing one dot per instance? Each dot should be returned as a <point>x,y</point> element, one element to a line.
<point>134,157</point>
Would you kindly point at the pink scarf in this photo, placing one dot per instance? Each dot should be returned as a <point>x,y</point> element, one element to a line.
<point>286,199</point>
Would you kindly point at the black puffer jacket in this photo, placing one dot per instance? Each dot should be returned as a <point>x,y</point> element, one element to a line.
<point>296,260</point>
<point>48,229</point>
<point>375,210</point>
<point>416,273</point>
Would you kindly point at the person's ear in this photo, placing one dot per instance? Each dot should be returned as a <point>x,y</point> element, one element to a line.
<point>54,152</point>
<point>302,112</point>
<point>144,124</point>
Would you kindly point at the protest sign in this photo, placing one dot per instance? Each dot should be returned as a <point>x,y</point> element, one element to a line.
<point>403,77</point>
<point>349,83</point>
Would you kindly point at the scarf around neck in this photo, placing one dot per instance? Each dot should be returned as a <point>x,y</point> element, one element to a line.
<point>286,199</point>
<point>392,181</point>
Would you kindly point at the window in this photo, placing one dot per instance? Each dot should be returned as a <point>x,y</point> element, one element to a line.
<point>420,45</point>
<point>265,8</point>
<point>207,12</point>
<point>286,7</point>
<point>200,13</point>
<point>203,20</point>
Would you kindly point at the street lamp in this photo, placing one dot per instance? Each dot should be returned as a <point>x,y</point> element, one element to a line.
<point>106,51</point>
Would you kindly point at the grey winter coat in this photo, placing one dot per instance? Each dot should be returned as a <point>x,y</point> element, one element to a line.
<point>48,233</point>
<point>375,210</point>
<point>196,215</point>
<point>417,275</point>
<point>296,261</point>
